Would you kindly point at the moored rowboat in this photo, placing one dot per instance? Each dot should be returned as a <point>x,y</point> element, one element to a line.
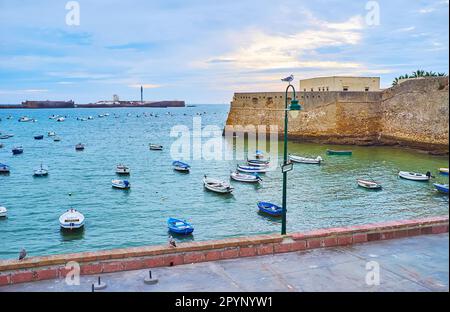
<point>181,166</point>
<point>305,160</point>
<point>121,184</point>
<point>3,212</point>
<point>217,186</point>
<point>71,220</point>
<point>122,169</point>
<point>337,152</point>
<point>4,168</point>
<point>270,209</point>
<point>372,185</point>
<point>442,188</point>
<point>155,147</point>
<point>179,227</point>
<point>414,176</point>
<point>250,178</point>
<point>443,171</point>
<point>251,169</point>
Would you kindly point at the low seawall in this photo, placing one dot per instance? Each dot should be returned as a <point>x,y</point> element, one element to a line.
<point>412,114</point>
<point>52,267</point>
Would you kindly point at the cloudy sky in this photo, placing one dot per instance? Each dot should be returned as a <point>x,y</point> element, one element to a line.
<point>203,51</point>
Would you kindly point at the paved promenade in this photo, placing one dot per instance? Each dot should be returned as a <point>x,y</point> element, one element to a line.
<point>419,263</point>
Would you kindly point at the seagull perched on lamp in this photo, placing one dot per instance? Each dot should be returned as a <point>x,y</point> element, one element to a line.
<point>288,79</point>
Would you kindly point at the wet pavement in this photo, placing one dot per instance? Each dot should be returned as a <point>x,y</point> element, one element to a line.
<point>418,263</point>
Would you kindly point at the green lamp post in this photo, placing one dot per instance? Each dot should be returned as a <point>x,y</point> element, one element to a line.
<point>287,166</point>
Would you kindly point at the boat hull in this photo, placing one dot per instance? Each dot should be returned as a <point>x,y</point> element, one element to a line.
<point>270,209</point>
<point>441,188</point>
<point>334,152</point>
<point>369,184</point>
<point>252,169</point>
<point>443,171</point>
<point>305,160</point>
<point>414,176</point>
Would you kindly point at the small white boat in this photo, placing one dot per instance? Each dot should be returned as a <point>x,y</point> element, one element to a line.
<point>71,220</point>
<point>155,147</point>
<point>4,168</point>
<point>181,166</point>
<point>241,177</point>
<point>90,118</point>
<point>372,185</point>
<point>61,119</point>
<point>41,172</point>
<point>414,176</point>
<point>443,171</point>
<point>51,134</point>
<point>79,147</point>
<point>3,212</point>
<point>122,169</point>
<point>121,184</point>
<point>25,119</point>
<point>251,169</point>
<point>305,160</point>
<point>217,186</point>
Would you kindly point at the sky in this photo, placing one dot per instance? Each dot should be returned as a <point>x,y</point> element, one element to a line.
<point>204,51</point>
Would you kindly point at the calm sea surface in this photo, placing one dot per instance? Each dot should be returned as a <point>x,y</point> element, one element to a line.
<point>318,196</point>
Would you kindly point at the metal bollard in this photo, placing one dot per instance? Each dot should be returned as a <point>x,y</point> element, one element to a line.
<point>100,285</point>
<point>149,280</point>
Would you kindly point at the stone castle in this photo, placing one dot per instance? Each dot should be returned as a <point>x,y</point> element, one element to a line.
<point>414,113</point>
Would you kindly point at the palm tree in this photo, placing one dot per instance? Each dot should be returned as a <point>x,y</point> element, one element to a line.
<point>417,74</point>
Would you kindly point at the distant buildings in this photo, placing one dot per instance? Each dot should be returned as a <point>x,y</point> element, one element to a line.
<point>340,83</point>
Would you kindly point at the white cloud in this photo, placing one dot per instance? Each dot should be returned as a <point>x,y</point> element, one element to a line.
<point>426,10</point>
<point>145,86</point>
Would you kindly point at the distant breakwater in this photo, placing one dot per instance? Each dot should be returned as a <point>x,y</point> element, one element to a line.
<point>159,104</point>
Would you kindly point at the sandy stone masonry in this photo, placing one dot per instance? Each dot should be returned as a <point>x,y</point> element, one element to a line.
<point>413,114</point>
<point>52,267</point>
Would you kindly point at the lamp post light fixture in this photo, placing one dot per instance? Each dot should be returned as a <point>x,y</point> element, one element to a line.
<point>287,166</point>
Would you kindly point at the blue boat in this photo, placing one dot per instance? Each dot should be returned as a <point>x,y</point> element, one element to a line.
<point>270,209</point>
<point>17,150</point>
<point>39,137</point>
<point>179,227</point>
<point>4,168</point>
<point>181,166</point>
<point>442,188</point>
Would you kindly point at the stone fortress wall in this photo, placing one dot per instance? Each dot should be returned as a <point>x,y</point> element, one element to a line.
<point>414,114</point>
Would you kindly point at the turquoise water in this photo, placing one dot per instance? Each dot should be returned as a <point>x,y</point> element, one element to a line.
<point>318,196</point>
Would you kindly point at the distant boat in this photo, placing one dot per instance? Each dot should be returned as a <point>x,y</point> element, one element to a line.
<point>155,147</point>
<point>179,227</point>
<point>79,147</point>
<point>56,139</point>
<point>259,154</point>
<point>41,172</point>
<point>61,119</point>
<point>51,134</point>
<point>121,184</point>
<point>4,168</point>
<point>442,188</point>
<point>39,137</point>
<point>25,119</point>
<point>251,169</point>
<point>253,162</point>
<point>336,152</point>
<point>270,209</point>
<point>3,212</point>
<point>372,185</point>
<point>414,176</point>
<point>122,169</point>
<point>305,160</point>
<point>17,150</point>
<point>71,220</point>
<point>217,186</point>
<point>443,171</point>
<point>1,145</point>
<point>181,166</point>
<point>90,118</point>
<point>6,136</point>
<point>249,178</point>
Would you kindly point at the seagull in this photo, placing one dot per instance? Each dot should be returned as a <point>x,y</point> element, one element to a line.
<point>288,79</point>
<point>23,254</point>
<point>172,242</point>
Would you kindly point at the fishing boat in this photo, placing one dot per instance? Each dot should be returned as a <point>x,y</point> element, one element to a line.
<point>181,166</point>
<point>6,136</point>
<point>4,168</point>
<point>252,169</point>
<point>51,134</point>
<point>25,119</point>
<point>443,171</point>
<point>56,139</point>
<point>179,227</point>
<point>249,178</point>
<point>217,186</point>
<point>90,118</point>
<point>79,147</point>
<point>61,119</point>
<point>270,209</point>
<point>122,169</point>
<point>305,160</point>
<point>441,188</point>
<point>371,185</point>
<point>339,152</point>
<point>3,212</point>
<point>414,176</point>
<point>71,220</point>
<point>39,137</point>
<point>17,150</point>
<point>121,184</point>
<point>41,172</point>
<point>155,147</point>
